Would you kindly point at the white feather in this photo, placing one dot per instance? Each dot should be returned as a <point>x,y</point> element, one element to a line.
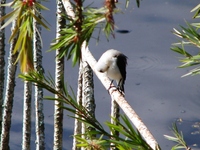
<point>108,64</point>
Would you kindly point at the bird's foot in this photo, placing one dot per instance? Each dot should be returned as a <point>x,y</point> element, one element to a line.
<point>116,89</point>
<point>111,86</point>
<point>120,91</point>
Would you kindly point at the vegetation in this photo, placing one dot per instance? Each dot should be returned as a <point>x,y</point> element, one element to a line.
<point>181,144</point>
<point>189,37</point>
<point>98,138</point>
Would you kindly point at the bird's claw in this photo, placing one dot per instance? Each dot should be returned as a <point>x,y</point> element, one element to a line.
<point>116,89</point>
<point>110,88</point>
<point>120,91</point>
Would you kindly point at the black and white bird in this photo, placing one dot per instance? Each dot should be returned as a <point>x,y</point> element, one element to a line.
<point>113,63</point>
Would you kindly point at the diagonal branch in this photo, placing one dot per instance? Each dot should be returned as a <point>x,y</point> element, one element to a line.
<point>116,95</point>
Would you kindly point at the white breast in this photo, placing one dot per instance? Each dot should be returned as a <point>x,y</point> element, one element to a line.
<point>113,72</point>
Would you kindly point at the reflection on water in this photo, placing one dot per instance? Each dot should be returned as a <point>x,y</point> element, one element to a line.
<point>190,130</point>
<point>145,62</point>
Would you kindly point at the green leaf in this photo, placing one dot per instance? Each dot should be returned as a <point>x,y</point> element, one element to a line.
<point>197,25</point>
<point>171,138</point>
<point>11,17</point>
<point>197,9</point>
<point>40,21</point>
<point>40,6</point>
<point>178,138</point>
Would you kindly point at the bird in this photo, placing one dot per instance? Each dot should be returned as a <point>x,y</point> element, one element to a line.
<point>113,63</point>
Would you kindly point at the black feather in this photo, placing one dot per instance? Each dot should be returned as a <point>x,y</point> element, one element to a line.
<point>121,63</point>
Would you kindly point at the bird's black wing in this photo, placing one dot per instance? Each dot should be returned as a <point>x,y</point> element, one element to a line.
<point>121,63</point>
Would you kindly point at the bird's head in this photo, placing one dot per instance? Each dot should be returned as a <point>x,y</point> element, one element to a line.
<point>106,60</point>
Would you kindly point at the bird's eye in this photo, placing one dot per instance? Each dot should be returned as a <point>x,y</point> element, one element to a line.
<point>115,56</point>
<point>101,70</point>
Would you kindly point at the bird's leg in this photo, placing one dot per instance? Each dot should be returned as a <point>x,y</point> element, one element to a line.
<point>120,89</point>
<point>111,83</point>
<point>110,86</point>
<point>118,85</point>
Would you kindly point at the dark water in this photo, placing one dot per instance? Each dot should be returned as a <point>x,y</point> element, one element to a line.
<point>154,86</point>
